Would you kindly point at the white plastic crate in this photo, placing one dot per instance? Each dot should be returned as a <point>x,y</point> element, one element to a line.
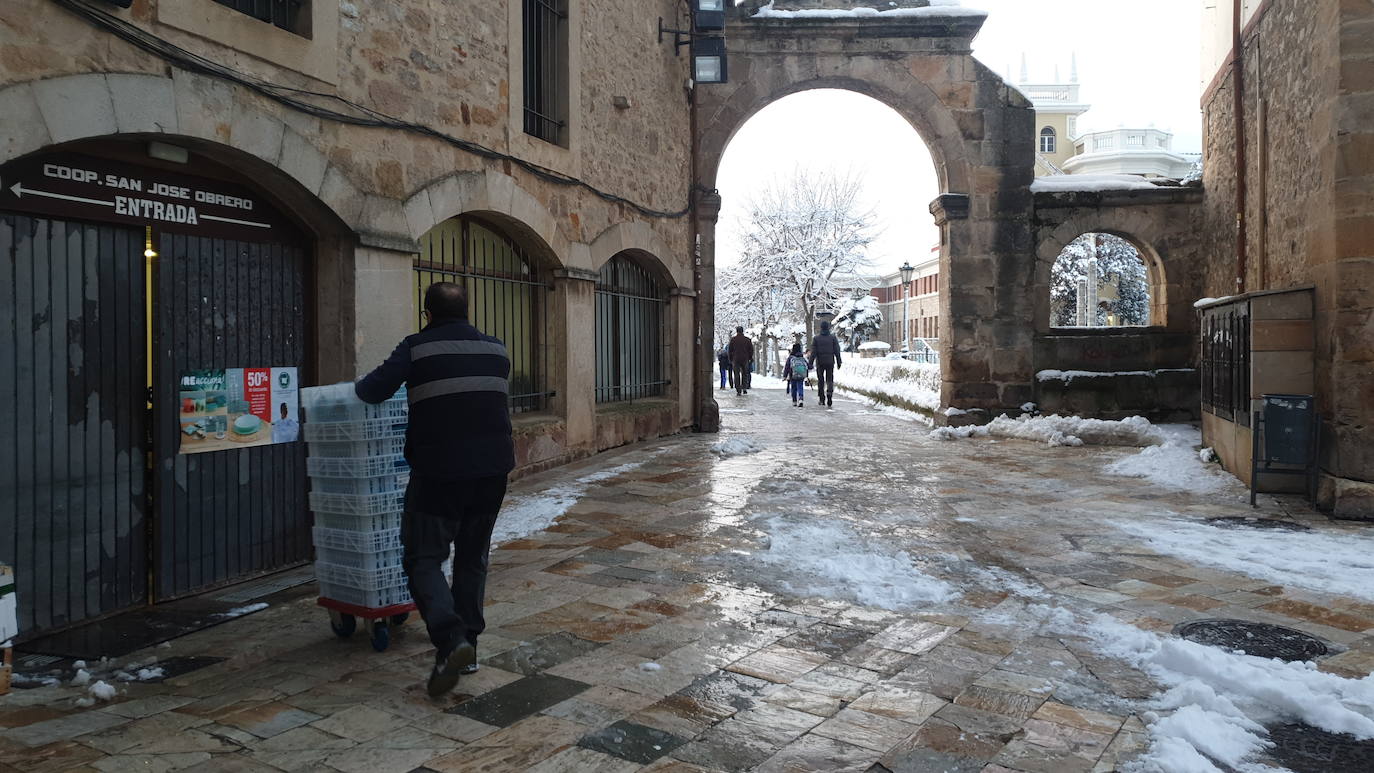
<point>357,541</point>
<point>337,402</point>
<point>364,579</point>
<point>379,484</point>
<point>371,429</point>
<point>358,523</point>
<point>358,504</point>
<point>365,561</point>
<point>368,599</point>
<point>355,466</point>
<point>391,446</point>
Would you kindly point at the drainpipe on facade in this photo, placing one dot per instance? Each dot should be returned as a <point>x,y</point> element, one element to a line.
<point>1238,68</point>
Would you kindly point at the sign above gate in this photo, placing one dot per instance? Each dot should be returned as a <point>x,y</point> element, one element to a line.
<point>70,185</point>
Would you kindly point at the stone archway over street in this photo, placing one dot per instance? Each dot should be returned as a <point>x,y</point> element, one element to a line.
<point>918,61</point>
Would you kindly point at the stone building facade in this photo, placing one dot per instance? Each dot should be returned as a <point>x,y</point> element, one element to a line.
<point>364,139</point>
<point>1303,192</point>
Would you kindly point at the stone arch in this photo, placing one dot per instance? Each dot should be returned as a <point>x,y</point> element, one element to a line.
<point>1118,223</point>
<point>645,245</point>
<point>214,117</point>
<point>499,198</point>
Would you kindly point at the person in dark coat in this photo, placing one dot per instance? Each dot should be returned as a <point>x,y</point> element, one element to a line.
<point>741,354</point>
<point>723,359</point>
<point>796,370</point>
<point>460,449</point>
<point>824,359</point>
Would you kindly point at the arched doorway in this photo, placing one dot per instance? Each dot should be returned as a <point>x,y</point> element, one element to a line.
<point>162,321</point>
<point>981,138</point>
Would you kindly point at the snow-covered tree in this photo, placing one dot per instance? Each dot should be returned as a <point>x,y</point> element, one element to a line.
<point>801,235</point>
<point>1118,264</point>
<point>858,320</point>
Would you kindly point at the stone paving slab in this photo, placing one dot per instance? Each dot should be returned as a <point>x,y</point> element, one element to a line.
<point>643,632</point>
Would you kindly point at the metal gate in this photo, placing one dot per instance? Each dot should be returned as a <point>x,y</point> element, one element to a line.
<point>221,516</point>
<point>72,408</point>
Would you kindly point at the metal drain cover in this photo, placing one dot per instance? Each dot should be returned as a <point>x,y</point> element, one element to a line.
<point>1258,639</point>
<point>1237,522</point>
<point>1306,749</point>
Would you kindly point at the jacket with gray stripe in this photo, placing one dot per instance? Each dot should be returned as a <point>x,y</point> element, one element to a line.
<point>457,382</point>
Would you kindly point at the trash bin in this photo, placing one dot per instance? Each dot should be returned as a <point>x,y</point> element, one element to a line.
<point>1285,440</point>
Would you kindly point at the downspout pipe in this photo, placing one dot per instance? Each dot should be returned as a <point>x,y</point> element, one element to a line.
<point>1238,95</point>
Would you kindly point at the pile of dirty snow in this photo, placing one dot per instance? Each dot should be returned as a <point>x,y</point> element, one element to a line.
<point>736,445</point>
<point>1057,430</point>
<point>1176,463</point>
<point>1216,703</point>
<point>829,560</point>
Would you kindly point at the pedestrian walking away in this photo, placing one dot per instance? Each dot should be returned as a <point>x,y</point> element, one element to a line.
<point>460,450</point>
<point>825,358</point>
<point>723,359</point>
<point>741,352</point>
<point>797,370</point>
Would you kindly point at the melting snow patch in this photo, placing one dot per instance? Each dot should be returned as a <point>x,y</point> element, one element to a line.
<point>1061,431</point>
<point>1216,702</point>
<point>82,678</point>
<point>102,691</point>
<point>955,433</point>
<point>650,667</point>
<point>1336,563</point>
<point>526,515</point>
<point>738,445</point>
<point>247,609</point>
<point>829,560</point>
<point>149,674</point>
<point>1174,464</point>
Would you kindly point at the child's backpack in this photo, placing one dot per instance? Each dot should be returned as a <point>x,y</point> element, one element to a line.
<point>798,368</point>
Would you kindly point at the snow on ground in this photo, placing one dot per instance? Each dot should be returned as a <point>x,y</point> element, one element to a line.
<point>828,559</point>
<point>1067,183</point>
<point>907,384</point>
<point>736,445</point>
<point>1216,703</point>
<point>937,8</point>
<point>1337,563</point>
<point>244,610</point>
<point>1175,463</point>
<point>1057,430</point>
<point>523,516</point>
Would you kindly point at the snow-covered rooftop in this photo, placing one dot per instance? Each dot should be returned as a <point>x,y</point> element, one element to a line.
<point>936,9</point>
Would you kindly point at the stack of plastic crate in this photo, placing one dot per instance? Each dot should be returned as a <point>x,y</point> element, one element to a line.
<point>358,477</point>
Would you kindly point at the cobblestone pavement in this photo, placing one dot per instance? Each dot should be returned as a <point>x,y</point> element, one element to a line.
<point>665,560</point>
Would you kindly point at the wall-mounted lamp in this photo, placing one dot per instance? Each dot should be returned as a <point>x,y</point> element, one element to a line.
<point>708,50</point>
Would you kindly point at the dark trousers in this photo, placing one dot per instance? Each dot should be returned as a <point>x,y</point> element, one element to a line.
<point>724,374</point>
<point>466,514</point>
<point>741,373</point>
<point>825,379</point>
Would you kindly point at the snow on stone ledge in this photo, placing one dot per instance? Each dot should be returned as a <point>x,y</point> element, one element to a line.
<point>1091,183</point>
<point>936,9</point>
<point>868,346</point>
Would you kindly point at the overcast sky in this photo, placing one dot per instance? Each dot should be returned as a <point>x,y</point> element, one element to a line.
<point>1137,64</point>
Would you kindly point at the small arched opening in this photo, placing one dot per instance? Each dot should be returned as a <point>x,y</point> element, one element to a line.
<point>508,294</point>
<point>1101,280</point>
<point>632,330</point>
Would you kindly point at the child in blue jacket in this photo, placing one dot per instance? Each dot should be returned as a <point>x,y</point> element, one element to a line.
<point>796,371</point>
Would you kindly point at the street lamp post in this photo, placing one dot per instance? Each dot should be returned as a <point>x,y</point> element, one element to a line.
<point>906,270</point>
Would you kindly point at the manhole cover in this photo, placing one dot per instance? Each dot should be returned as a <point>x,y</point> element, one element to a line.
<point>1258,639</point>
<point>1306,749</point>
<point>1237,522</point>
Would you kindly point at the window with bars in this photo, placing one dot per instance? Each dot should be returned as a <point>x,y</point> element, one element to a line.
<point>507,298</point>
<point>286,14</point>
<point>630,343</point>
<point>1226,362</point>
<point>546,69</point>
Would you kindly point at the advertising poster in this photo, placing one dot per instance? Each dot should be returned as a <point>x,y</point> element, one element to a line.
<point>237,408</point>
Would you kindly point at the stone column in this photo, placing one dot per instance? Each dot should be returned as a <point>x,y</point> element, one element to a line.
<point>682,353</point>
<point>385,309</point>
<point>572,333</point>
<point>707,411</point>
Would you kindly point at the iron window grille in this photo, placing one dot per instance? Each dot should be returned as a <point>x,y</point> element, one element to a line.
<point>546,69</point>
<point>630,312</point>
<point>285,14</point>
<point>1226,363</point>
<point>507,298</point>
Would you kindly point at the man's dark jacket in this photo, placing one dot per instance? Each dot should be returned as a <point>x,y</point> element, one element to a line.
<point>825,349</point>
<point>457,382</point>
<point>741,350</point>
